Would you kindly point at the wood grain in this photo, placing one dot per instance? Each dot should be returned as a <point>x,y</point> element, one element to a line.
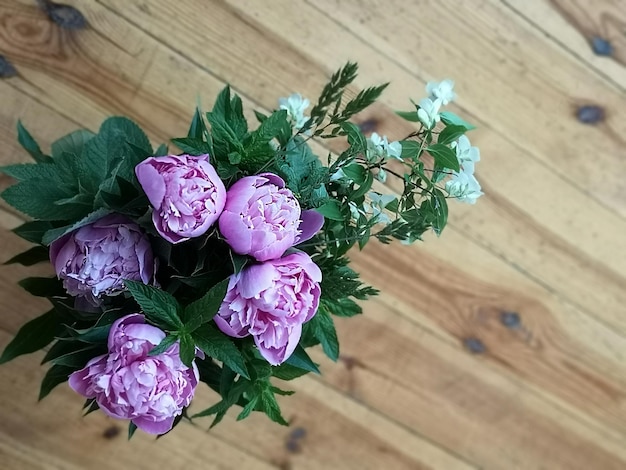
<point>499,346</point>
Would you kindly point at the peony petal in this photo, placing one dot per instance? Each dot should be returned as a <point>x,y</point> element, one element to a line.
<point>131,319</point>
<point>311,222</point>
<point>225,327</point>
<point>149,425</point>
<point>168,235</point>
<point>151,182</point>
<point>273,179</point>
<point>257,278</point>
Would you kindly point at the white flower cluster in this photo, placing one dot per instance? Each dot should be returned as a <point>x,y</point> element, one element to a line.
<point>440,93</point>
<point>379,149</point>
<point>295,105</point>
<point>463,185</point>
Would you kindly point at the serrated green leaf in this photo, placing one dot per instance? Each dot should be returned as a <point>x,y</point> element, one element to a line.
<point>449,118</point>
<point>56,375</point>
<point>132,427</point>
<point>164,345</point>
<point>161,151</point>
<point>410,116</point>
<point>43,286</point>
<point>192,146</point>
<point>301,360</point>
<point>56,233</point>
<point>288,372</point>
<point>33,336</point>
<point>36,254</point>
<point>72,143</point>
<point>249,408</point>
<point>450,134</point>
<point>444,156</point>
<point>95,334</point>
<point>187,349</point>
<point>23,196</point>
<point>218,346</point>
<point>30,145</point>
<point>356,139</point>
<point>159,306</point>
<point>205,308</point>
<point>284,393</point>
<point>271,408</point>
<point>197,128</point>
<point>72,353</point>
<point>32,231</point>
<point>324,330</point>
<point>132,133</point>
<point>25,171</point>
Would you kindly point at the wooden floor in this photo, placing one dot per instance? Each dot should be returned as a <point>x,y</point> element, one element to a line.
<point>501,345</point>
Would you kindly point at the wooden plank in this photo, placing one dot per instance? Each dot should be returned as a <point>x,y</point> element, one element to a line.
<point>573,25</point>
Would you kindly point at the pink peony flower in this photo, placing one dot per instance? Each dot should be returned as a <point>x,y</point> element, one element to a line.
<point>186,193</point>
<point>271,301</point>
<point>96,259</point>
<point>127,383</point>
<point>262,218</point>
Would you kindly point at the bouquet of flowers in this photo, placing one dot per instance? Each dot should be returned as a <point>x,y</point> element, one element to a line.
<point>224,262</point>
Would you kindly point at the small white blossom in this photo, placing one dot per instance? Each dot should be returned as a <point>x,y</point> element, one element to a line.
<point>381,175</point>
<point>295,105</point>
<point>337,175</point>
<point>464,187</point>
<point>443,91</point>
<point>379,202</point>
<point>428,112</point>
<point>466,154</point>
<point>380,148</point>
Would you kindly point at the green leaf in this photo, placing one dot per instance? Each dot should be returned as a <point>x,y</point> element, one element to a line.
<point>24,197</point>
<point>324,330</point>
<point>187,349</point>
<point>159,306</point>
<point>73,354</point>
<point>56,375</point>
<point>56,233</point>
<point>355,172</point>
<point>343,307</point>
<point>410,148</point>
<point>132,133</point>
<point>271,408</point>
<point>205,308</point>
<point>217,345</point>
<point>249,408</point>
<point>32,336</point>
<point>450,118</point>
<point>132,427</point>
<point>197,129</point>
<point>161,151</point>
<point>25,171</point>
<point>36,254</point>
<point>364,188</point>
<point>301,360</point>
<point>450,134</point>
<point>444,156</point>
<point>410,116</point>
<point>95,334</point>
<point>356,139</point>
<point>32,231</point>
<point>164,345</point>
<point>73,143</point>
<point>192,146</point>
<point>29,144</point>
<point>43,286</point>
<point>331,210</point>
<point>238,261</point>
<point>288,372</point>
<point>440,210</point>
